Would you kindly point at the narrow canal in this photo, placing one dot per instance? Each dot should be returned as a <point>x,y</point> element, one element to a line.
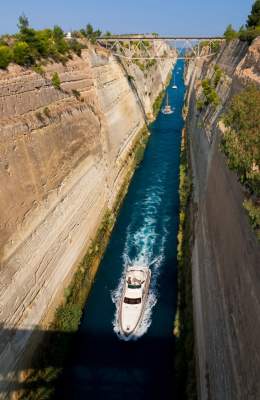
<point>104,366</point>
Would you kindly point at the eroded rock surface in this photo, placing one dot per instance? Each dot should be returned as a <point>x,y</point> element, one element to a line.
<point>225,255</point>
<point>63,159</point>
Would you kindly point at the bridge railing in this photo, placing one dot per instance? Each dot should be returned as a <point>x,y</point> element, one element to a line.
<point>140,47</point>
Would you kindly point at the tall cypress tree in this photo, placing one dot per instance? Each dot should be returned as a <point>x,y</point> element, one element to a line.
<point>254,18</point>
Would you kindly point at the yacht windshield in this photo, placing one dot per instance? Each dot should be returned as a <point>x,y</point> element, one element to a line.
<point>127,300</point>
<point>134,286</point>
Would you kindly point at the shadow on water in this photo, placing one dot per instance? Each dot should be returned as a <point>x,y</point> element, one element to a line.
<point>143,369</point>
<point>104,366</point>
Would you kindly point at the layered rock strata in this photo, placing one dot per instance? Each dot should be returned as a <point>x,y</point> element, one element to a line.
<point>63,159</point>
<point>225,255</point>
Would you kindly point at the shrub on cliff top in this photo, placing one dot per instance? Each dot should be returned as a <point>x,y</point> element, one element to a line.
<point>5,56</point>
<point>22,54</point>
<point>249,34</point>
<point>30,46</point>
<point>230,33</point>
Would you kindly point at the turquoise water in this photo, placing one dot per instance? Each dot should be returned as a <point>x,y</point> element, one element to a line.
<point>103,365</point>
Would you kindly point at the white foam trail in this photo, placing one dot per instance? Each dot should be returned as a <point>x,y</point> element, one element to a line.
<point>143,242</point>
<point>144,258</point>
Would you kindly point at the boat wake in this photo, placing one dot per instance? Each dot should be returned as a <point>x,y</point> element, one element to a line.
<point>145,247</point>
<point>143,241</point>
<point>150,302</point>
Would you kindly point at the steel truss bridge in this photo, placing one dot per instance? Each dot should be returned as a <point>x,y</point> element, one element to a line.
<point>143,47</point>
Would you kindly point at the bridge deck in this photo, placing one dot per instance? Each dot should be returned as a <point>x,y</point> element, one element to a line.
<point>160,37</point>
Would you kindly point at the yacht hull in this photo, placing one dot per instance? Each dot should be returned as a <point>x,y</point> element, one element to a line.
<point>130,319</point>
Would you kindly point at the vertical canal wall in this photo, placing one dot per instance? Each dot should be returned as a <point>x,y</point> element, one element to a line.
<point>65,155</point>
<point>225,253</point>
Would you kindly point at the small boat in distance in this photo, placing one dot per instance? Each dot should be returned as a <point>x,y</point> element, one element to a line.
<point>167,108</point>
<point>135,293</point>
<point>174,84</point>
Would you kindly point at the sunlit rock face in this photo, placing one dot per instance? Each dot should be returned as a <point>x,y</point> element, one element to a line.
<point>225,253</point>
<point>64,157</point>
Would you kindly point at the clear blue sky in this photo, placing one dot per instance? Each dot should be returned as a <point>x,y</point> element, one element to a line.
<point>204,17</point>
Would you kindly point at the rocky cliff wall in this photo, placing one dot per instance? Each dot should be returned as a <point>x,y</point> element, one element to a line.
<point>225,255</point>
<point>63,159</point>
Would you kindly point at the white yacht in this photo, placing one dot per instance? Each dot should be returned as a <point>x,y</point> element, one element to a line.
<point>167,108</point>
<point>134,297</point>
<point>174,84</point>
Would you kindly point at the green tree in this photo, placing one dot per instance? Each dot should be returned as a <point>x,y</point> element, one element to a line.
<point>230,33</point>
<point>44,43</point>
<point>22,54</point>
<point>5,56</point>
<point>89,30</point>
<point>58,33</point>
<point>249,34</point>
<point>23,23</point>
<point>29,36</point>
<point>29,46</point>
<point>254,18</point>
<point>55,80</point>
<point>58,36</point>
